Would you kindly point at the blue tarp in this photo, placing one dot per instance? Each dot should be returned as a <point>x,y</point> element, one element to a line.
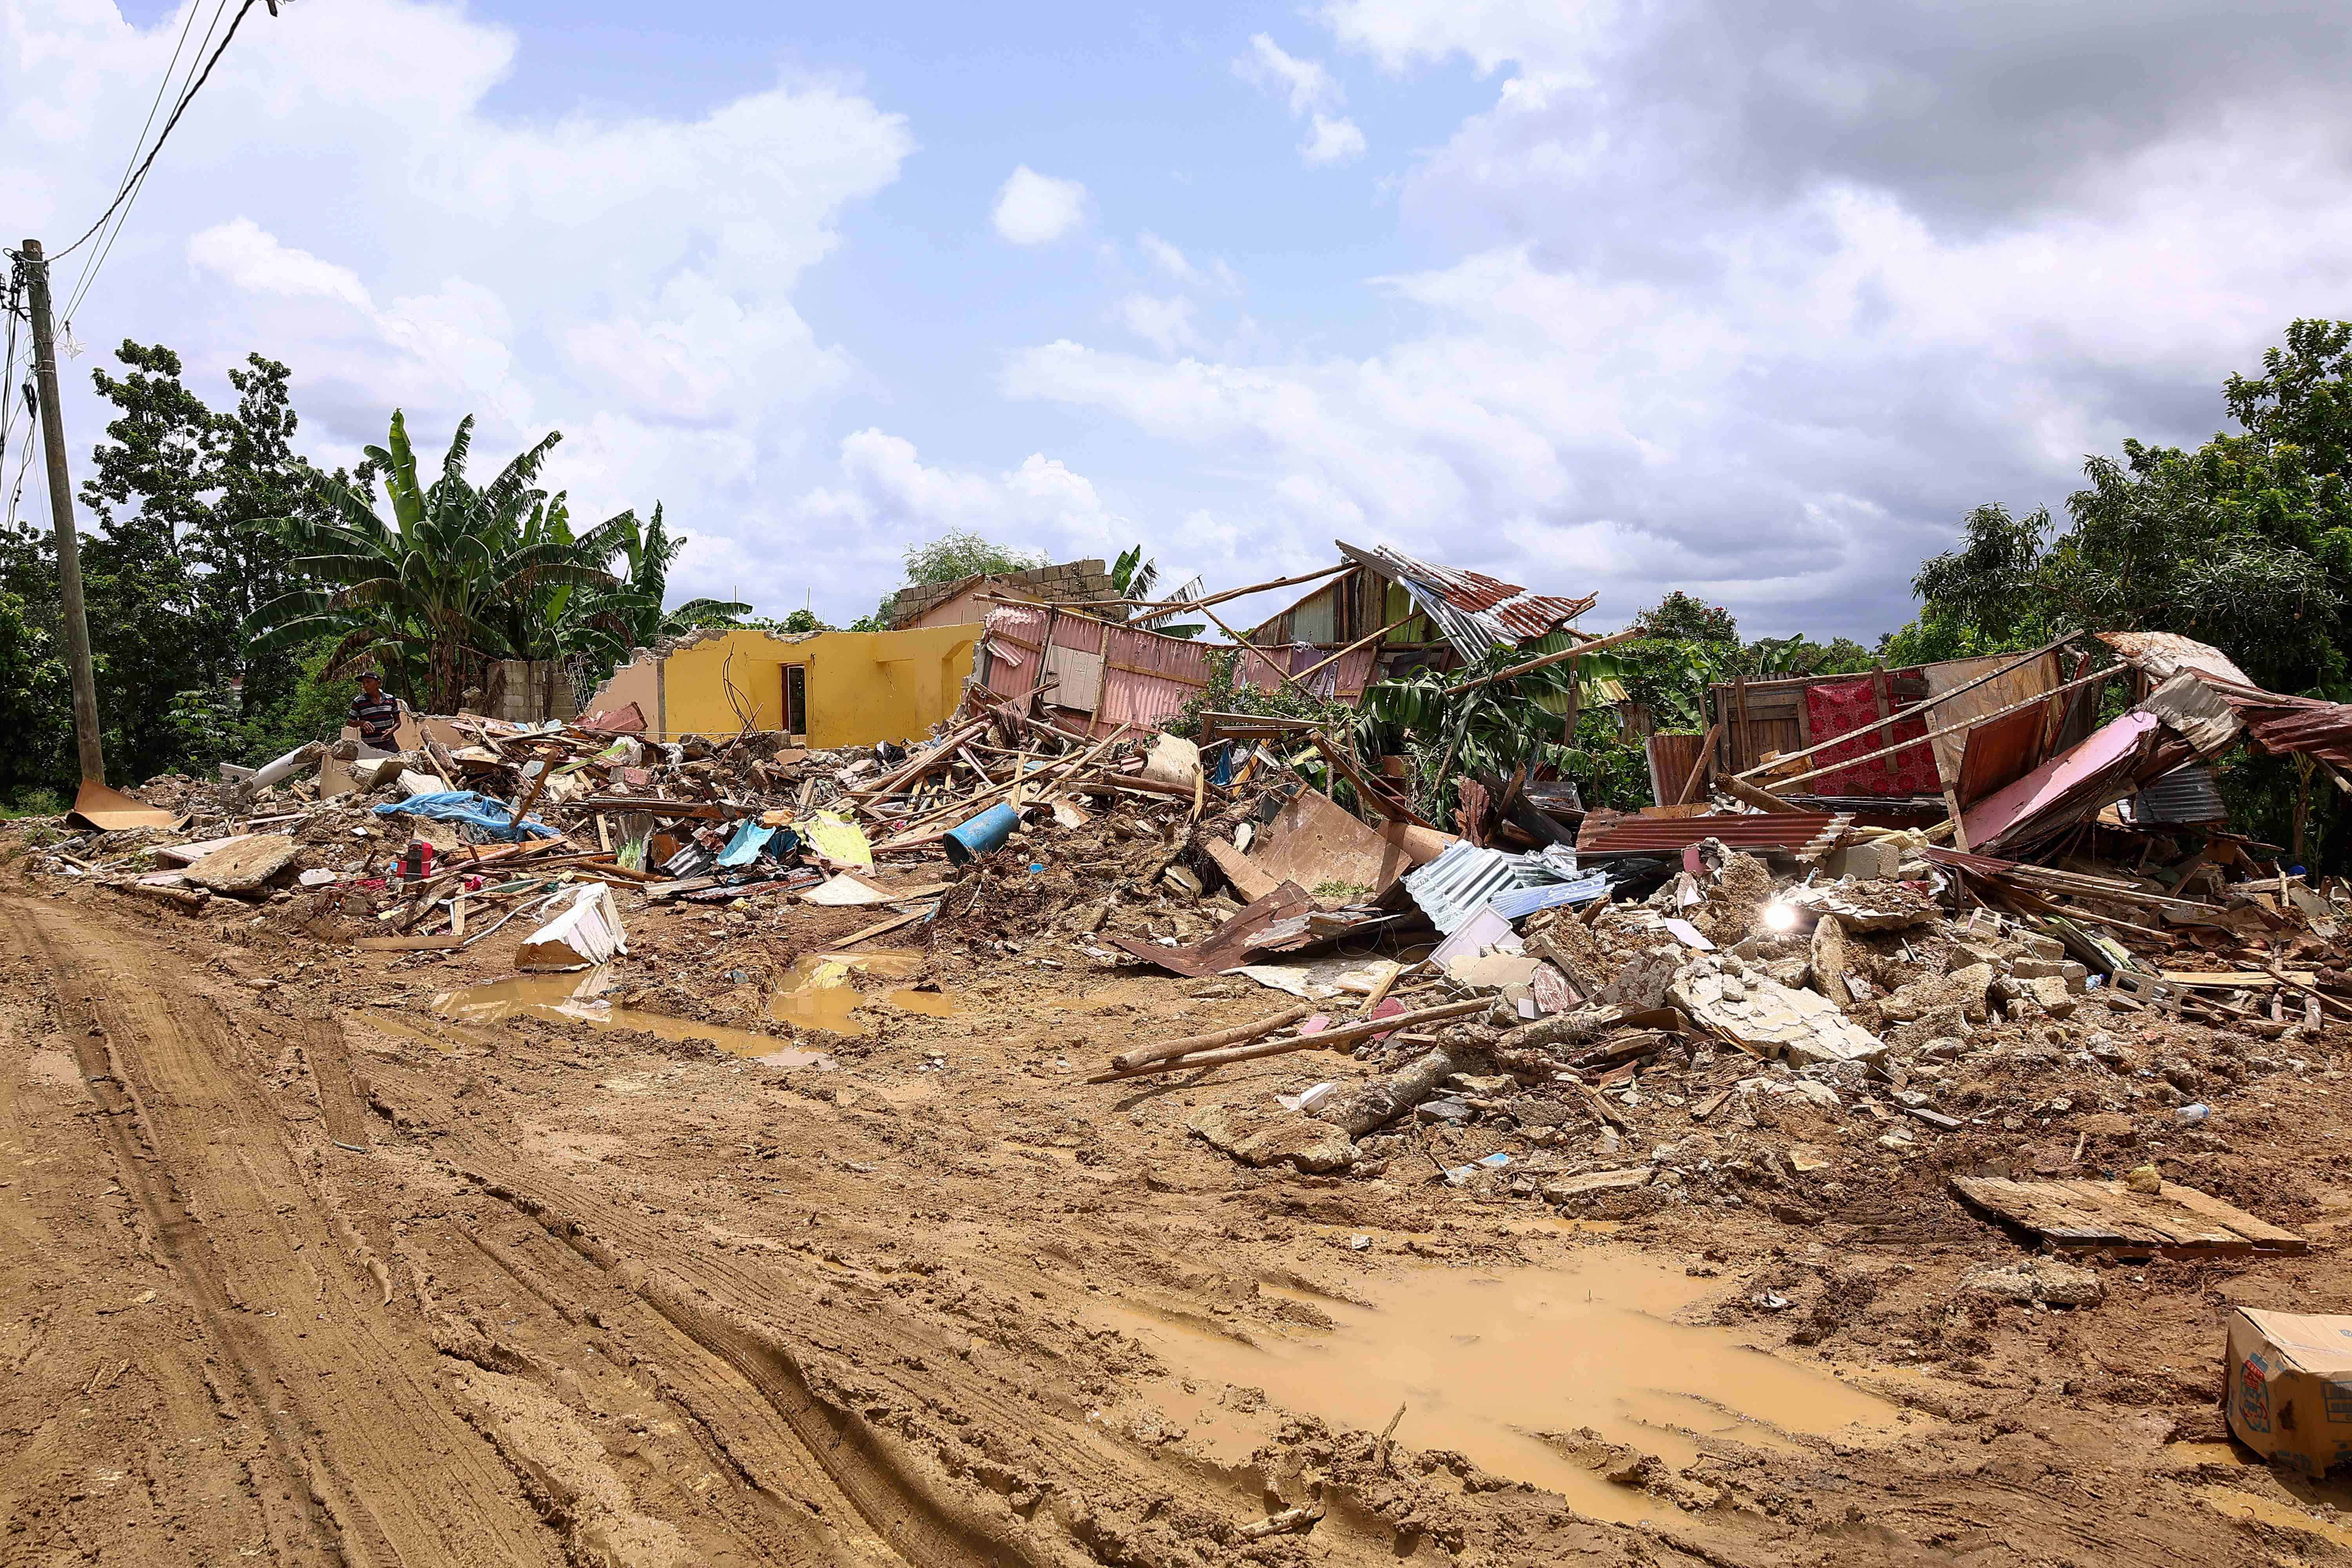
<point>750,839</point>
<point>470,808</point>
<point>745,847</point>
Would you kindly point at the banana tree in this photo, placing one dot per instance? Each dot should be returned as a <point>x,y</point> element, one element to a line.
<point>1492,728</point>
<point>1135,576</point>
<point>433,594</point>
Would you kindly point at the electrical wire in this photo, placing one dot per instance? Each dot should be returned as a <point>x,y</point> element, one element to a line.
<point>178,108</point>
<point>162,86</point>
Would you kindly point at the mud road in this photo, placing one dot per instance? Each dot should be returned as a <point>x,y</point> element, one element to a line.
<point>295,1268</point>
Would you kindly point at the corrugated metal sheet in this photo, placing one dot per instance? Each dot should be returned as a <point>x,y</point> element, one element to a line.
<point>1519,902</point>
<point>2184,795</point>
<point>1795,831</point>
<point>1672,756</point>
<point>2163,655</point>
<point>1462,881</point>
<point>2074,782</point>
<point>1146,678</point>
<point>1474,611</point>
<point>2195,709</point>
<point>1998,752</point>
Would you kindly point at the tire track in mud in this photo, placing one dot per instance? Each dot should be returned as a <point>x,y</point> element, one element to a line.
<point>866,1472</point>
<point>363,1463</point>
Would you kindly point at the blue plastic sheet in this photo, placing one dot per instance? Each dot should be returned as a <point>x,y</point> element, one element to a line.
<point>745,847</point>
<point>472,808</point>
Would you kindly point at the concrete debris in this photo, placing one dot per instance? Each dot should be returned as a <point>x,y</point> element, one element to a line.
<point>1262,1138</point>
<point>2042,1281</point>
<point>1738,1004</point>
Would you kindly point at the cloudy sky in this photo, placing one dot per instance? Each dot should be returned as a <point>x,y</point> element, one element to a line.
<point>1749,296</point>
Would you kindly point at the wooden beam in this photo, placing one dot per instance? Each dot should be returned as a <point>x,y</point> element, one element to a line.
<point>1595,646</point>
<point>1921,741</point>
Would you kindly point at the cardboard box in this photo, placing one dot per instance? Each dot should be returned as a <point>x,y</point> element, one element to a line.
<point>2289,1387</point>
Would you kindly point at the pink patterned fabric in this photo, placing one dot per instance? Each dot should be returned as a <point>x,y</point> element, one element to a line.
<point>1837,708</point>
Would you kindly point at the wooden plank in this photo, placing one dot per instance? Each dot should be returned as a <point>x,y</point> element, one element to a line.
<point>2181,1226</point>
<point>408,945</point>
<point>2254,1228</point>
<point>2231,979</point>
<point>2087,1214</point>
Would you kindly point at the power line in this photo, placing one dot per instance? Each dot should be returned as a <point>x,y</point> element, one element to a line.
<point>97,258</point>
<point>178,108</point>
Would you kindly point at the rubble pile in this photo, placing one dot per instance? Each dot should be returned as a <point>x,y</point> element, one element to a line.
<point>1735,1005</point>
<point>1032,826</point>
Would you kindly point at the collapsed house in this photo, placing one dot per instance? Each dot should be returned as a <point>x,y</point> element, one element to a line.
<point>828,689</point>
<point>1376,614</point>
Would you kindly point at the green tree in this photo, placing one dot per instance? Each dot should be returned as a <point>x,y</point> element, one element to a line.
<point>958,554</point>
<point>606,624</point>
<point>1136,575</point>
<point>432,593</point>
<point>185,544</point>
<point>1686,618</point>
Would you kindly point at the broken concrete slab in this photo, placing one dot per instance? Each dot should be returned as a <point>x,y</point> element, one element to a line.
<point>1569,1189</point>
<point>2043,1280</point>
<point>1262,1138</point>
<point>244,864</point>
<point>1770,1019</point>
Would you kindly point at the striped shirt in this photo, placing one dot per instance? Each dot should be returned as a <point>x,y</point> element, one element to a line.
<point>377,717</point>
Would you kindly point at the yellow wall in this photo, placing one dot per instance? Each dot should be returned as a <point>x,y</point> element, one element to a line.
<point>863,687</point>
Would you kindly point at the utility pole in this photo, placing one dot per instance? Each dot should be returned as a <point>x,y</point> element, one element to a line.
<point>53,445</point>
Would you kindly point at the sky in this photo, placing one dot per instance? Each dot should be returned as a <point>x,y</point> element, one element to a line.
<point>1750,298</point>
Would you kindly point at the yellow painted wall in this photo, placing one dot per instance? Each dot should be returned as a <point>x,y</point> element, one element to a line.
<point>863,687</point>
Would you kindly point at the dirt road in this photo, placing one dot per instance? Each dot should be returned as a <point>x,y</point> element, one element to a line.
<point>292,1274</point>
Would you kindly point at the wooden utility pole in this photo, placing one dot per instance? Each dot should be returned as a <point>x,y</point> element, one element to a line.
<point>53,447</point>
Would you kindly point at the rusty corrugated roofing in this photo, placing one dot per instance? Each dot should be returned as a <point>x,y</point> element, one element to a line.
<point>1798,832</point>
<point>1474,611</point>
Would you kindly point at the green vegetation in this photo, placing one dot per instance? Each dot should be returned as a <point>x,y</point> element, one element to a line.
<point>230,583</point>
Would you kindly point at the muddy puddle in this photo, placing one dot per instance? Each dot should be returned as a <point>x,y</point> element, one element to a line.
<point>2231,1503</point>
<point>1509,1368</point>
<point>820,991</point>
<point>580,997</point>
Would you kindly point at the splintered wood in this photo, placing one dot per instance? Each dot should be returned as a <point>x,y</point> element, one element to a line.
<point>2175,1221</point>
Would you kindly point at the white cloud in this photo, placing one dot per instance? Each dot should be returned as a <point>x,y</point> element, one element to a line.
<point>887,492</point>
<point>1332,142</point>
<point>1791,423</point>
<point>251,260</point>
<point>1306,83</point>
<point>1175,264</point>
<point>1167,324</point>
<point>1761,320</point>
<point>341,198</point>
<point>1037,209</point>
<point>1313,93</point>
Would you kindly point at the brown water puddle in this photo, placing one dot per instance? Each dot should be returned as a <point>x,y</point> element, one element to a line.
<point>820,989</point>
<point>573,996</point>
<point>1484,1362</point>
<point>2231,1503</point>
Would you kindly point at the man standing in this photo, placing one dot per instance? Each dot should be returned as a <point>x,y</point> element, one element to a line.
<point>376,713</point>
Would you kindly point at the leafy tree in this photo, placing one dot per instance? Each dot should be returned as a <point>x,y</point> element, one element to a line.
<point>1136,575</point>
<point>606,624</point>
<point>958,554</point>
<point>1497,727</point>
<point>428,593</point>
<point>1686,618</point>
<point>36,707</point>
